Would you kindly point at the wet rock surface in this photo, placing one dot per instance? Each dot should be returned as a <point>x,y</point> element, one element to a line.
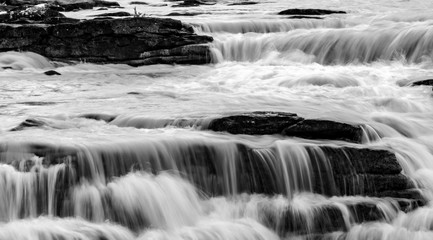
<point>135,41</point>
<point>309,11</point>
<point>287,124</point>
<point>113,14</point>
<point>62,5</point>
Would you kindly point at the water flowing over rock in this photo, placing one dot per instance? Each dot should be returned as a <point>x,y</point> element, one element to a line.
<point>281,169</point>
<point>135,41</point>
<point>216,151</point>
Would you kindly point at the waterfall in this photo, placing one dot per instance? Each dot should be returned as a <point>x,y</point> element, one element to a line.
<point>404,42</point>
<point>302,127</point>
<point>15,60</point>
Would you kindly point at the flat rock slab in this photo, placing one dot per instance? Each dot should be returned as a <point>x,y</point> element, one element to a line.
<point>127,40</point>
<point>287,124</point>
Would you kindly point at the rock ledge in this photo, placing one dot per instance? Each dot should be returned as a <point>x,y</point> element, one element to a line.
<point>135,41</point>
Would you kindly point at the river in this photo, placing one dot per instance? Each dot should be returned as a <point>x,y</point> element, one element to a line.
<point>354,68</point>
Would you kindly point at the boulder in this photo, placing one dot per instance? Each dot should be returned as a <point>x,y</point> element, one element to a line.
<point>136,41</point>
<point>309,11</point>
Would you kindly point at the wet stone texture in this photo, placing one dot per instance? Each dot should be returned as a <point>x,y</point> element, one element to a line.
<point>135,41</point>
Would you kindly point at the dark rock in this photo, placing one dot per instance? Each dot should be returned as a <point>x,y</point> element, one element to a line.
<point>194,3</point>
<point>303,17</point>
<point>37,103</point>
<point>427,82</point>
<point>29,123</point>
<point>31,14</point>
<point>114,14</point>
<point>324,129</point>
<point>320,219</point>
<point>256,123</point>
<point>136,41</point>
<point>183,14</point>
<point>87,4</point>
<point>138,3</point>
<point>60,20</point>
<point>348,160</point>
<point>102,9</point>
<point>371,184</point>
<point>99,117</point>
<point>242,3</point>
<point>296,11</point>
<point>189,54</point>
<point>288,124</point>
<point>325,218</point>
<point>51,73</point>
<point>412,193</point>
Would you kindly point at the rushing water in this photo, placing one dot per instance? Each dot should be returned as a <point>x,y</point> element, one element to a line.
<point>155,173</point>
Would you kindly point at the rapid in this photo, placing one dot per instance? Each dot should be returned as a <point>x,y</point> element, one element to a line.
<point>156,172</point>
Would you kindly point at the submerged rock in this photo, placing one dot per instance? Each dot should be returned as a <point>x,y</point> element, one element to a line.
<point>309,11</point>
<point>135,41</point>
<point>287,124</point>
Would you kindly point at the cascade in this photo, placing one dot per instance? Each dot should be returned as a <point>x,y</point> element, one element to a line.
<point>302,127</point>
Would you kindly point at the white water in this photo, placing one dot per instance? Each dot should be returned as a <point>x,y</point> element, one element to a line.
<point>135,177</point>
